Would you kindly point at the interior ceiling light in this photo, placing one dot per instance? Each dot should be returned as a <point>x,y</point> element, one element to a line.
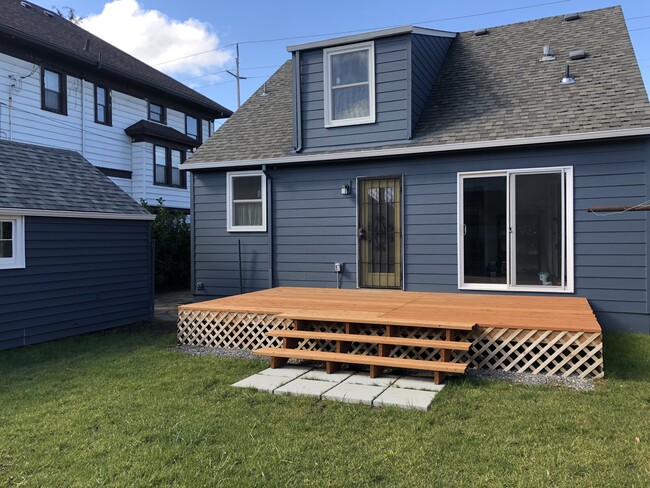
<point>567,79</point>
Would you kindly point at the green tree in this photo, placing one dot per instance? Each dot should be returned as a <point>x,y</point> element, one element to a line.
<point>171,234</point>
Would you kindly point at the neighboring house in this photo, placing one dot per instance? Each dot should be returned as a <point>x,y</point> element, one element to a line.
<point>63,87</point>
<point>434,161</point>
<point>75,250</point>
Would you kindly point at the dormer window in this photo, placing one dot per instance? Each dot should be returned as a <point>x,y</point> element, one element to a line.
<point>349,73</point>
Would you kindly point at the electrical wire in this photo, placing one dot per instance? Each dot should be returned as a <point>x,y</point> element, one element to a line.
<point>259,41</point>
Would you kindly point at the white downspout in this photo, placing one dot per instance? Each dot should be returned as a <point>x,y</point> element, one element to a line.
<point>83,125</point>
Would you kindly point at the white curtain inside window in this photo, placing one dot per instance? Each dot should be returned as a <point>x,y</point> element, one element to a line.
<point>247,213</point>
<point>350,102</point>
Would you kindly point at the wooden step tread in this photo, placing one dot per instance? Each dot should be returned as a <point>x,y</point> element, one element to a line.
<point>388,362</point>
<point>370,339</point>
<point>373,318</point>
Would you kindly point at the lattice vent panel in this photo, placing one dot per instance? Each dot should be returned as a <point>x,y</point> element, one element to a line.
<point>532,351</point>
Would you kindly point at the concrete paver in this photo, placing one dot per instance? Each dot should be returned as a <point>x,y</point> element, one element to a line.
<point>262,382</point>
<point>404,398</point>
<point>302,387</point>
<point>286,371</point>
<point>351,393</point>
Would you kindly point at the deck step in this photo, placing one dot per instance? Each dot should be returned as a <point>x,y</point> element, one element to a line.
<point>370,339</point>
<point>439,366</point>
<point>373,318</point>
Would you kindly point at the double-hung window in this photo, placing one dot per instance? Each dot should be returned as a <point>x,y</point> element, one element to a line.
<point>157,113</point>
<point>246,201</point>
<point>193,127</point>
<point>515,230</point>
<point>349,73</point>
<point>102,105</point>
<point>12,242</point>
<point>53,91</point>
<point>166,167</point>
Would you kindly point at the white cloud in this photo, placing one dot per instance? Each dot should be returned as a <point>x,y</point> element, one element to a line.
<point>154,38</point>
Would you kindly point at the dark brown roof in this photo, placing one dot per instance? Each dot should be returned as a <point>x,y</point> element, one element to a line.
<point>144,129</point>
<point>33,26</point>
<point>490,88</point>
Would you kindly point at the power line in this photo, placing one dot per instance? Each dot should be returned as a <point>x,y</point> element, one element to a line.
<point>258,41</point>
<point>225,70</point>
<point>232,81</point>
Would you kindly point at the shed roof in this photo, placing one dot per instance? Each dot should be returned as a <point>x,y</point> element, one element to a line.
<point>34,26</point>
<point>490,88</point>
<point>43,178</point>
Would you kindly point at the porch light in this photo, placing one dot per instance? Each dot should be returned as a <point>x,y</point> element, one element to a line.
<point>345,190</point>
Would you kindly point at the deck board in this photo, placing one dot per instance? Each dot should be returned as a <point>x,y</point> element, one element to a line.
<point>560,313</point>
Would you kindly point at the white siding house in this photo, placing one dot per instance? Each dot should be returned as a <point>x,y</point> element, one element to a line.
<point>41,68</point>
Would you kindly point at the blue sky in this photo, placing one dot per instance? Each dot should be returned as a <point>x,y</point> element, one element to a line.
<point>271,19</point>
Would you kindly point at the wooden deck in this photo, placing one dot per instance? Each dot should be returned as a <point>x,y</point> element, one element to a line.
<point>549,335</point>
<point>423,309</point>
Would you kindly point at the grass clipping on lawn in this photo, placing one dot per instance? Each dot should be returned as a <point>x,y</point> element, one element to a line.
<point>122,409</point>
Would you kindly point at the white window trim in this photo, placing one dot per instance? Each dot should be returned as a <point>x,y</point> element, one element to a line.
<point>229,203</point>
<point>18,243</point>
<point>568,234</point>
<point>327,54</point>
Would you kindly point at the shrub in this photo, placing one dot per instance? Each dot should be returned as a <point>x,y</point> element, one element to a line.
<point>171,234</point>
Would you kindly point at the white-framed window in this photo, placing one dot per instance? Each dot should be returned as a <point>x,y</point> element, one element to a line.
<point>246,201</point>
<point>515,230</point>
<point>349,74</point>
<point>12,242</point>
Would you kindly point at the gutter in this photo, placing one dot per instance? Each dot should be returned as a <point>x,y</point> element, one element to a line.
<point>414,150</point>
<point>30,212</point>
<point>224,112</point>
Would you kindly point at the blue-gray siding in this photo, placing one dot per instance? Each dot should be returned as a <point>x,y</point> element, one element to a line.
<point>391,71</point>
<point>427,55</point>
<point>81,275</point>
<point>314,226</point>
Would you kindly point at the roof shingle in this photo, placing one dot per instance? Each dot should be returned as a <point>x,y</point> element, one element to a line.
<point>43,178</point>
<point>490,87</point>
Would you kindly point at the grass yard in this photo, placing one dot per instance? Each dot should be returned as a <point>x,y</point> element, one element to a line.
<point>124,409</point>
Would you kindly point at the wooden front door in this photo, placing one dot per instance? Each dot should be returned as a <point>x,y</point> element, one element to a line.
<point>379,231</point>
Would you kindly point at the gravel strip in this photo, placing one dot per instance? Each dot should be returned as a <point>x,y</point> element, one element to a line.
<point>217,351</point>
<point>532,379</point>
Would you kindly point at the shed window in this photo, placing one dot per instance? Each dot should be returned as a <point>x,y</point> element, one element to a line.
<point>157,113</point>
<point>12,242</point>
<point>102,105</point>
<point>246,196</point>
<point>53,91</point>
<point>349,84</point>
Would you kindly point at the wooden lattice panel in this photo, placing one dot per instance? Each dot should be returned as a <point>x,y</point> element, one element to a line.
<point>228,329</point>
<point>560,353</point>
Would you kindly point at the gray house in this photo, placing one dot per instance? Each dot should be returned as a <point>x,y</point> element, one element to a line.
<point>425,160</point>
<point>75,250</point>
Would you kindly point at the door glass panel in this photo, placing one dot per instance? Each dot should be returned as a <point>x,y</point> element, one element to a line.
<point>484,216</point>
<point>538,229</point>
<point>380,233</point>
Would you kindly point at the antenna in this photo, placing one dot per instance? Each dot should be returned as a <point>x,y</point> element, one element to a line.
<point>237,77</point>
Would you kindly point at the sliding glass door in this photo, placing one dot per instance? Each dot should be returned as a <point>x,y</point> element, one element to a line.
<point>515,231</point>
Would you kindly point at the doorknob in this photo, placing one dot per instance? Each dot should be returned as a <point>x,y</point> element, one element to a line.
<point>362,233</point>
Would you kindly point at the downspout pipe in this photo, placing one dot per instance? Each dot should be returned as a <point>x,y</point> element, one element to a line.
<point>297,104</point>
<point>269,222</point>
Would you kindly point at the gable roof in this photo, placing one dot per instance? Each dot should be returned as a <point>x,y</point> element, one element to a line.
<point>38,26</point>
<point>39,178</point>
<point>491,90</point>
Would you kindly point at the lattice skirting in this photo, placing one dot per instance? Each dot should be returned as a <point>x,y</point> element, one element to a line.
<point>548,353</point>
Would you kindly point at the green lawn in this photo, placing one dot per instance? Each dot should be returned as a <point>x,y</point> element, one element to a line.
<point>124,409</point>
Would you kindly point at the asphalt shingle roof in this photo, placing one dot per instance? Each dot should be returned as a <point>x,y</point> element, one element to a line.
<point>43,178</point>
<point>489,88</point>
<point>64,36</point>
